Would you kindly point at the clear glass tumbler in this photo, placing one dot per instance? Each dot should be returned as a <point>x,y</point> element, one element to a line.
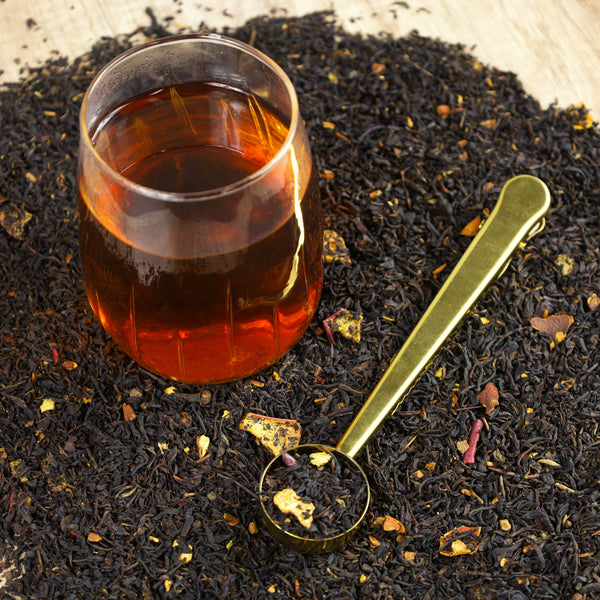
<point>199,210</point>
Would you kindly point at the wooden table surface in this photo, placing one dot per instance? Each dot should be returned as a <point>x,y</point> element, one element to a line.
<point>552,45</point>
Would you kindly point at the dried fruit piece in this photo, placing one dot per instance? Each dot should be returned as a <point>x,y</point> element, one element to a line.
<point>462,446</point>
<point>319,459</point>
<point>278,435</point>
<point>460,540</point>
<point>505,524</point>
<point>488,123</point>
<point>488,398</point>
<point>471,494</point>
<point>288,502</point>
<point>472,227</point>
<point>334,248</point>
<point>593,302</point>
<point>391,524</point>
<point>94,537</point>
<point>13,219</point>
<point>231,519</point>
<point>186,556</point>
<point>47,404</point>
<point>469,457</point>
<point>128,412</point>
<point>566,263</point>
<point>581,118</point>
<point>344,322</point>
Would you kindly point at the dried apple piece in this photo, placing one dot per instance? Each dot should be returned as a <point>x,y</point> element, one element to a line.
<point>488,398</point>
<point>319,459</point>
<point>278,435</point>
<point>288,502</point>
<point>344,322</point>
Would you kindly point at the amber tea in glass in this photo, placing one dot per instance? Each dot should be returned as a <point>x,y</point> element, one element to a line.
<point>200,217</point>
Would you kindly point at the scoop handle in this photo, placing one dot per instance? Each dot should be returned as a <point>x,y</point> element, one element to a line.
<point>517,216</point>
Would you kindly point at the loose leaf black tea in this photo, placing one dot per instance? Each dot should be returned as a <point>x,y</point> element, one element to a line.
<point>96,504</point>
<point>314,494</point>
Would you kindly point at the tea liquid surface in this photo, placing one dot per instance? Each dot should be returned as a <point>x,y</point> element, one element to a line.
<point>204,290</point>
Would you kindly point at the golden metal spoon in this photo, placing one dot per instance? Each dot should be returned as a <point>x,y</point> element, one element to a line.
<point>516,218</point>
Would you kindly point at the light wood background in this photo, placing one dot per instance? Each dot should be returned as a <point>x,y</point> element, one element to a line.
<point>552,45</point>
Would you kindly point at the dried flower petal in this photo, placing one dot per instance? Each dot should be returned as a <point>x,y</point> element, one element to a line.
<point>555,326</point>
<point>202,443</point>
<point>288,459</point>
<point>488,398</point>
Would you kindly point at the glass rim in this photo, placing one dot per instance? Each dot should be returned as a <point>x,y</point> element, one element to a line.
<point>217,192</point>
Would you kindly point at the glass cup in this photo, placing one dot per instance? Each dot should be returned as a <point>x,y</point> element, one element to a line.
<point>199,210</point>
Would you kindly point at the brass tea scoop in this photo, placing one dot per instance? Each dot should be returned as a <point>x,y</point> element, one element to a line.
<point>517,216</point>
